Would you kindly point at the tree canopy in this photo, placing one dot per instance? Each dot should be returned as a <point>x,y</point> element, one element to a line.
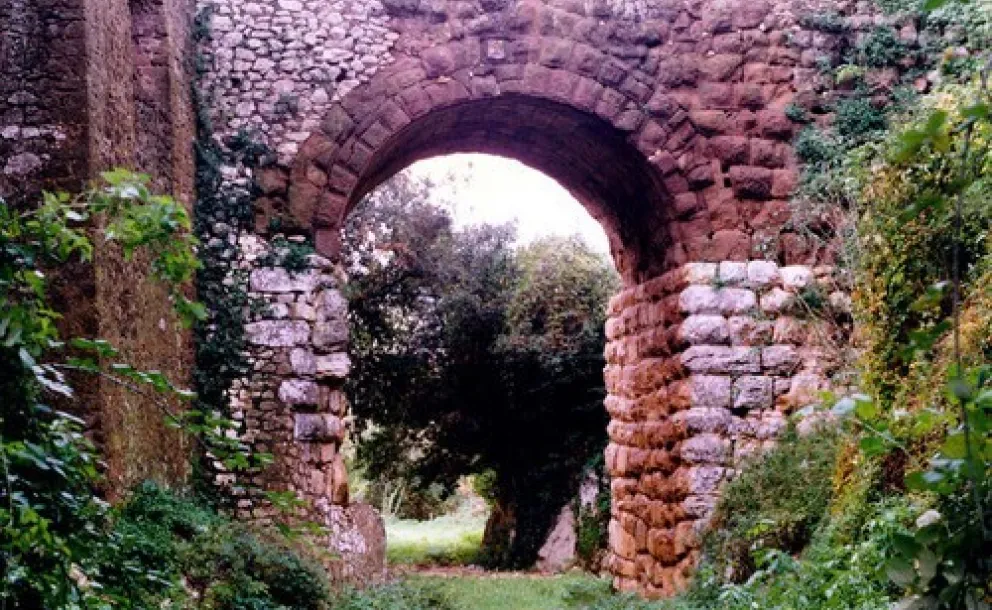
<point>472,356</point>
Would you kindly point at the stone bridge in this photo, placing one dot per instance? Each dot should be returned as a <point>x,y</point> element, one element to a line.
<point>665,118</point>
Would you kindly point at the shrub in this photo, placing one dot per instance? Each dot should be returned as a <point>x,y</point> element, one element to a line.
<point>775,503</point>
<point>857,118</point>
<point>814,147</point>
<point>171,548</point>
<point>829,22</point>
<point>881,48</point>
<point>796,114</point>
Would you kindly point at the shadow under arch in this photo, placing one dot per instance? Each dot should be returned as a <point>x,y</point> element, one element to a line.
<point>586,154</point>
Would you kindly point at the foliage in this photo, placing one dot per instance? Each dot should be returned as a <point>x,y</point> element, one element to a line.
<point>856,118</point>
<point>796,113</point>
<point>592,521</point>
<point>813,147</point>
<point>291,255</point>
<point>881,48</point>
<point>405,595</point>
<point>173,551</point>
<point>467,352</point>
<point>830,22</point>
<point>54,528</point>
<point>51,520</point>
<point>763,508</point>
<point>928,309</point>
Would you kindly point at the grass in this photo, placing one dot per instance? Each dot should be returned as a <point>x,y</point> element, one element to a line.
<point>452,539</point>
<point>509,591</point>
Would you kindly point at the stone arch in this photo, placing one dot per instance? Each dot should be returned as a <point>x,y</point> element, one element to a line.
<point>628,156</point>
<point>670,130</point>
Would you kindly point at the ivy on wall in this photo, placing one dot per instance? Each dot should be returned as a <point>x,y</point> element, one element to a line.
<point>222,213</point>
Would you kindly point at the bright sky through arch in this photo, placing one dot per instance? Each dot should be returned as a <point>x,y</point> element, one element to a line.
<point>497,190</point>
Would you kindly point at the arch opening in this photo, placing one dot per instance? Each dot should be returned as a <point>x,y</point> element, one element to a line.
<point>587,155</point>
<point>497,312</point>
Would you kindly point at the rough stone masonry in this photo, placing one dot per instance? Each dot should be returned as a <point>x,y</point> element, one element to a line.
<point>666,120</point>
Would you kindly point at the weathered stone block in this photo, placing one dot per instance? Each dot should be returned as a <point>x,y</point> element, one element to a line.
<point>796,277</point>
<point>277,333</point>
<point>761,274</point>
<point>719,359</point>
<point>331,305</point>
<point>302,361</point>
<point>734,301</point>
<point>298,393</point>
<point>706,449</point>
<point>333,366</point>
<point>330,334</point>
<point>710,391</point>
<point>732,273</point>
<point>745,330</point>
<point>700,273</point>
<point>277,280</point>
<point>805,390</point>
<point>790,330</point>
<point>705,329</point>
<point>780,359</point>
<point>705,479</point>
<point>703,419</point>
<point>777,300</point>
<point>699,506</point>
<point>753,392</point>
<point>622,542</point>
<point>700,300</point>
<point>317,427</point>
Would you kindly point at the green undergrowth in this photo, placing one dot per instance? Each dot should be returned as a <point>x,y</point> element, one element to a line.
<point>172,551</point>
<point>776,503</point>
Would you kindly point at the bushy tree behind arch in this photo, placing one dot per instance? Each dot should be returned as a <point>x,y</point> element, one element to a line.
<point>473,356</point>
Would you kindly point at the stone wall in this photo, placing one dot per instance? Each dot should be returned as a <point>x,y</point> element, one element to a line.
<point>68,111</point>
<point>704,365</point>
<point>292,405</point>
<point>276,66</point>
<point>665,118</point>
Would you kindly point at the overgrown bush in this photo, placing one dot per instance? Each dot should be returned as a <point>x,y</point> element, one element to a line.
<point>813,147</point>
<point>776,503</point>
<point>881,48</point>
<point>857,118</point>
<point>172,550</point>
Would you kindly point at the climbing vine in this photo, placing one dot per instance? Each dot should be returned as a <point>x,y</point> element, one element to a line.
<point>222,213</point>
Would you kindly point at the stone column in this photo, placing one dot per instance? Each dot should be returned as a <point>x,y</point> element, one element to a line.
<point>704,365</point>
<point>293,406</point>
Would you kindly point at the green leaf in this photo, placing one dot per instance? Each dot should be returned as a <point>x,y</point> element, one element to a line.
<point>900,572</point>
<point>955,446</point>
<point>872,445</point>
<point>926,565</point>
<point>905,545</point>
<point>978,112</point>
<point>932,5</point>
<point>865,410</point>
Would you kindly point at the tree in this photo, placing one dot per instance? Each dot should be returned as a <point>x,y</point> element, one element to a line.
<point>468,353</point>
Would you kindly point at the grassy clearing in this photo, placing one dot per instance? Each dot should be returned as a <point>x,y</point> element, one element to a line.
<point>508,591</point>
<point>452,539</point>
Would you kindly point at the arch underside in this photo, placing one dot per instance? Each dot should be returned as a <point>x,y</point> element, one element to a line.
<point>586,155</point>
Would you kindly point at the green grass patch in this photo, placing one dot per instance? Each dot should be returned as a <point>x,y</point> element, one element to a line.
<point>453,539</point>
<point>511,591</point>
